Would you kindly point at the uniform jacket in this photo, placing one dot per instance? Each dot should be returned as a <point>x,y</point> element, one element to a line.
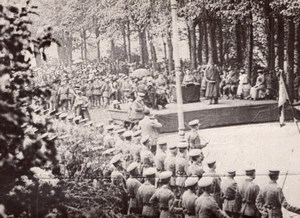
<point>194,141</point>
<point>133,185</point>
<point>136,111</point>
<point>188,203</point>
<point>170,165</point>
<point>229,189</point>
<point>150,127</point>
<point>159,160</point>
<point>195,169</point>
<point>144,194</point>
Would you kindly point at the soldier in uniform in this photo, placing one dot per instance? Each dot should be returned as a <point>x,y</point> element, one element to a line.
<point>189,197</point>
<point>170,164</point>
<point>216,186</point>
<point>271,199</point>
<point>246,196</point>
<point>181,164</point>
<point>193,139</point>
<point>108,140</point>
<point>119,139</point>
<point>206,206</point>
<point>161,155</point>
<point>144,194</point>
<point>164,197</point>
<point>133,185</point>
<point>229,189</point>
<point>147,157</point>
<point>136,146</point>
<point>137,108</point>
<point>195,168</point>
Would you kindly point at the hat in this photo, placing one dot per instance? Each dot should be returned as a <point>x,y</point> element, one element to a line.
<point>77,118</point>
<point>195,152</point>
<point>182,145</point>
<point>141,94</point>
<point>58,114</point>
<point>127,134</point>
<point>137,133</point>
<point>63,115</point>
<point>231,171</point>
<point>43,136</point>
<point>110,127</point>
<point>145,139</point>
<point>172,146</point>
<point>70,117</point>
<point>210,162</point>
<point>274,172</point>
<point>194,122</point>
<point>161,142</point>
<point>98,125</point>
<point>37,109</point>
<point>83,120</point>
<point>116,159</point>
<point>190,181</point>
<point>205,181</point>
<point>151,171</point>
<point>132,166</point>
<point>250,171</point>
<point>120,131</point>
<point>51,113</point>
<point>165,175</point>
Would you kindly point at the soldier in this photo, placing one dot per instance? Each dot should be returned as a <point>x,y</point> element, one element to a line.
<point>206,206</point>
<point>193,139</point>
<point>216,186</point>
<point>132,187</point>
<point>147,158</point>
<point>247,195</point>
<point>137,108</point>
<point>181,167</point>
<point>195,167</point>
<point>229,189</point>
<point>271,199</point>
<point>189,197</point>
<point>136,146</point>
<point>145,192</point>
<point>170,164</point>
<point>108,140</point>
<point>127,147</point>
<point>119,139</point>
<point>161,155</point>
<point>165,197</point>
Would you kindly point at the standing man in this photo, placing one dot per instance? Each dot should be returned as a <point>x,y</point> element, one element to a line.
<point>170,164</point>
<point>216,186</point>
<point>193,138</point>
<point>196,168</point>
<point>137,108</point>
<point>229,189</point>
<point>189,197</point>
<point>132,187</point>
<point>213,79</point>
<point>161,155</point>
<point>246,196</point>
<point>147,157</point>
<point>206,206</point>
<point>271,199</point>
<point>144,194</point>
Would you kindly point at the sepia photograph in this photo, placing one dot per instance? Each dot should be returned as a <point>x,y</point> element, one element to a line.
<point>149,108</point>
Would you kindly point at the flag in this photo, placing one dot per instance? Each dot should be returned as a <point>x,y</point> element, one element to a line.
<point>283,97</point>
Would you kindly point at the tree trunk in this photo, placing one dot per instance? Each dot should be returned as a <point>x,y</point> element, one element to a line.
<point>170,53</point>
<point>270,30</point>
<point>298,48</point>
<point>213,55</point>
<point>189,41</point>
<point>239,51</point>
<point>152,52</point>
<point>128,42</point>
<point>112,50</point>
<point>84,45</point>
<point>124,40</point>
<point>70,48</point>
<point>280,41</point>
<point>97,34</point>
<point>220,39</point>
<point>200,42</point>
<point>143,48</point>
<point>205,32</point>
<point>250,49</point>
<point>193,45</point>
<point>290,56</point>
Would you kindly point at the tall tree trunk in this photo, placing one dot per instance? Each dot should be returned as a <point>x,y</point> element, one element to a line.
<point>298,48</point>
<point>112,50</point>
<point>250,49</point>
<point>97,34</point>
<point>70,48</point>
<point>84,38</point>
<point>170,52</point>
<point>239,51</point>
<point>220,39</point>
<point>124,40</point>
<point>128,41</point>
<point>189,41</point>
<point>165,51</point>
<point>143,48</point>
<point>280,41</point>
<point>213,55</point>
<point>205,32</point>
<point>152,52</point>
<point>290,56</point>
<point>200,42</point>
<point>270,24</point>
<point>193,48</point>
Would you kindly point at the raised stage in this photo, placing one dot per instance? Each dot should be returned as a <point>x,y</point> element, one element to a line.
<point>227,112</point>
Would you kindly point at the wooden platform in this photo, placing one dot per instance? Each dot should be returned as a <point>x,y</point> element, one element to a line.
<point>227,112</point>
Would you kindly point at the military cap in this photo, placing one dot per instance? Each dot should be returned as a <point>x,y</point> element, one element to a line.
<point>161,142</point>
<point>51,113</point>
<point>182,145</point>
<point>205,181</point>
<point>110,127</point>
<point>116,159</point>
<point>259,71</point>
<point>274,172</point>
<point>63,115</point>
<point>37,109</point>
<point>58,114</point>
<point>83,120</point>
<point>70,117</point>
<point>165,175</point>
<point>194,122</point>
<point>127,134</point>
<point>137,133</point>
<point>45,111</point>
<point>77,118</point>
<point>231,171</point>
<point>210,161</point>
<point>98,125</point>
<point>109,151</point>
<point>172,146</point>
<point>149,172</point>
<point>145,139</point>
<point>132,166</point>
<point>120,131</point>
<point>30,130</point>
<point>250,171</point>
<point>195,152</point>
<point>141,94</point>
<point>190,181</point>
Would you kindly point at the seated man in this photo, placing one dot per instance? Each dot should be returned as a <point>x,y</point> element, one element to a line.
<point>231,84</point>
<point>259,88</point>
<point>244,87</point>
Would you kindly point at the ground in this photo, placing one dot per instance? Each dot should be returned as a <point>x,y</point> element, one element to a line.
<point>263,146</point>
